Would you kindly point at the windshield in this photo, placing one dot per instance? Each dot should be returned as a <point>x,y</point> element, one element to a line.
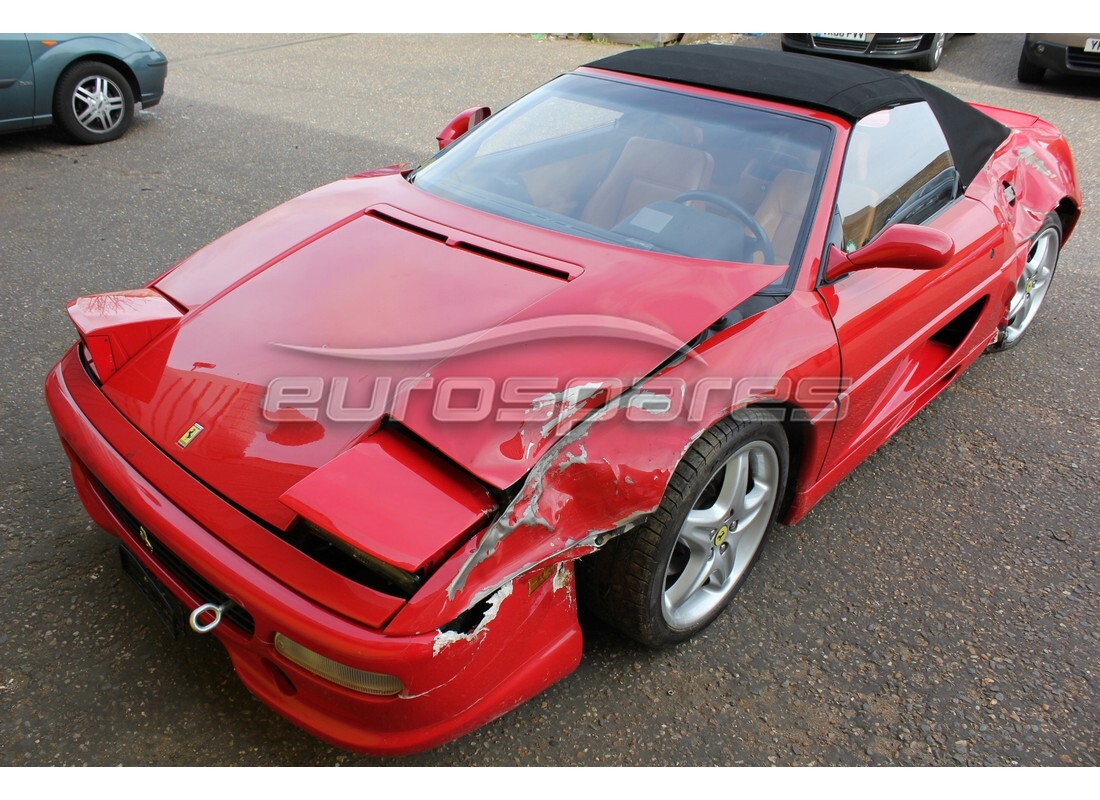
<point>641,167</point>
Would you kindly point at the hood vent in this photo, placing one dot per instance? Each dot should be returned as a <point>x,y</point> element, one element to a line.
<point>486,248</point>
<point>522,263</point>
<point>407,225</point>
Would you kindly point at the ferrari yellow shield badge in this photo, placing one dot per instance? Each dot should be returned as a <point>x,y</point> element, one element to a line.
<point>189,437</point>
<point>721,535</point>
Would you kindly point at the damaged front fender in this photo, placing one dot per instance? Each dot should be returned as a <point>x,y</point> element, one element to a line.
<point>598,480</point>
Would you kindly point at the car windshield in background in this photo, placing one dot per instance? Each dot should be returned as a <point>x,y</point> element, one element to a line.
<point>641,167</point>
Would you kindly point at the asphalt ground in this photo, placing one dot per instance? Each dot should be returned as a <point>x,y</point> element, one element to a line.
<point>938,608</point>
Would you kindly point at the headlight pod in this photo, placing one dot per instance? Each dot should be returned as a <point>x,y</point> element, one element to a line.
<point>389,507</point>
<point>114,327</point>
<point>358,680</point>
<point>404,583</point>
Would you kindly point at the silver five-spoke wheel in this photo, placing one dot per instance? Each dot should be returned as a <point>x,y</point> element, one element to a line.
<point>721,535</point>
<point>1032,286</point>
<point>671,576</point>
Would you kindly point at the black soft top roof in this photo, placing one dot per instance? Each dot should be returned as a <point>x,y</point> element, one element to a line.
<point>846,89</point>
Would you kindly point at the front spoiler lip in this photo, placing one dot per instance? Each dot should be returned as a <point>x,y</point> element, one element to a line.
<point>449,690</point>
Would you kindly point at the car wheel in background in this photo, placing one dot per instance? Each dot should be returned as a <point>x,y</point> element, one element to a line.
<point>1026,72</point>
<point>930,60</point>
<point>93,103</point>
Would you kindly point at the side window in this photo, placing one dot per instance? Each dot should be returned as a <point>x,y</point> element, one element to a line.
<point>898,169</point>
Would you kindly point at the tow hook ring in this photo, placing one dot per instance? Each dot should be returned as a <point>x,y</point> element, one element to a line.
<point>217,611</point>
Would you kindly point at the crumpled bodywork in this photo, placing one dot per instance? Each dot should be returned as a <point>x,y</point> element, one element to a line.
<point>1029,175</point>
<point>574,498</point>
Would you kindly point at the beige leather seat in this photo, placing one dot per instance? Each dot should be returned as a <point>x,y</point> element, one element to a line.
<point>782,210</point>
<point>648,170</point>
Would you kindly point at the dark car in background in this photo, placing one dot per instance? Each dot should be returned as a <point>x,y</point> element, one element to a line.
<point>85,83</point>
<point>1062,53</point>
<point>922,50</point>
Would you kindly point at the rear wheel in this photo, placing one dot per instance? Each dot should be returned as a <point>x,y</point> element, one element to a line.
<point>1032,286</point>
<point>673,575</point>
<point>93,103</point>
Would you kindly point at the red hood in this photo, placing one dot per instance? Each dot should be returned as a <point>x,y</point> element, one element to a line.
<point>361,282</point>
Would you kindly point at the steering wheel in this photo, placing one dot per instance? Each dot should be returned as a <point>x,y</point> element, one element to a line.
<point>763,243</point>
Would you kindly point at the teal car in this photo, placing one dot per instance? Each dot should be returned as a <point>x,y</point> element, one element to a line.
<point>87,84</point>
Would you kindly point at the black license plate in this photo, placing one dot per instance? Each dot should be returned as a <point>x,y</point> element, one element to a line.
<point>168,609</point>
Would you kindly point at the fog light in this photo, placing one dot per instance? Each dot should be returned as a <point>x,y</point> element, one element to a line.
<point>358,680</point>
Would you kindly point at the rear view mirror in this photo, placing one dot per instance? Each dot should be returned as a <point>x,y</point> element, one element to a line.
<point>461,124</point>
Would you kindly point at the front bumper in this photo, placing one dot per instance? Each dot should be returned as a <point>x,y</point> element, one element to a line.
<point>883,46</point>
<point>151,70</point>
<point>1061,58</point>
<point>452,683</point>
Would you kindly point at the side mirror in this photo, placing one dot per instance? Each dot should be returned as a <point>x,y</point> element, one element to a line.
<point>461,124</point>
<point>901,246</point>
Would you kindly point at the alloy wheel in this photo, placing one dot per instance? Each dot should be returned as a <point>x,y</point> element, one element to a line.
<point>98,104</point>
<point>721,535</point>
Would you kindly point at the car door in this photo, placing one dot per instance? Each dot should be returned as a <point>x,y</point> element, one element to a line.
<point>902,332</point>
<point>16,81</point>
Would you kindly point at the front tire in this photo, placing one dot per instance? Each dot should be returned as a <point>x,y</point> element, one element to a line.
<point>1026,72</point>
<point>930,60</point>
<point>93,103</point>
<point>672,576</point>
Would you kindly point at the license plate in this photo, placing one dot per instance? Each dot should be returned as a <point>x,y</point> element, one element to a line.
<point>1092,45</point>
<point>847,37</point>
<point>168,609</point>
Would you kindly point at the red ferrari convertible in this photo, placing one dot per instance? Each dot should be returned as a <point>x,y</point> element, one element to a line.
<point>382,440</point>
